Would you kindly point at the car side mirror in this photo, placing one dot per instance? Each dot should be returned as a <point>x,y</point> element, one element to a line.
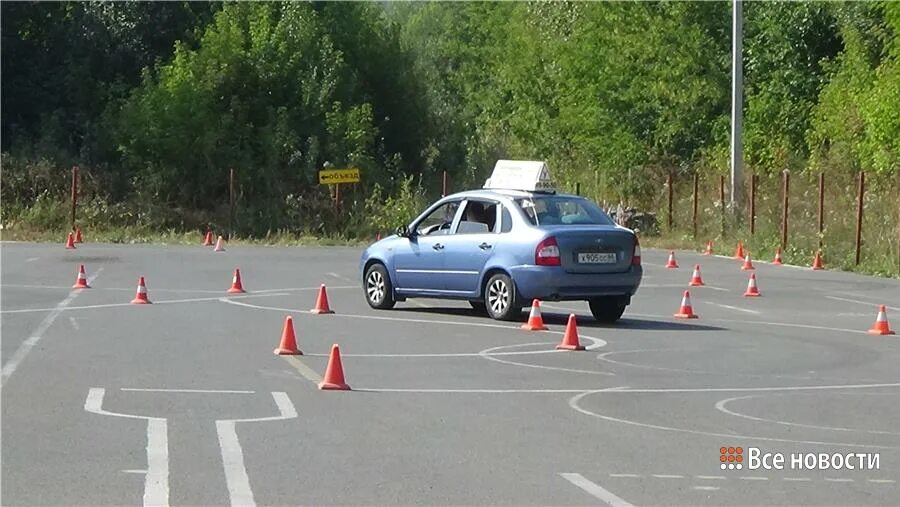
<point>403,231</point>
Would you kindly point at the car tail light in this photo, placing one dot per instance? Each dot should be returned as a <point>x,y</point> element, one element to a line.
<point>547,253</point>
<point>636,255</point>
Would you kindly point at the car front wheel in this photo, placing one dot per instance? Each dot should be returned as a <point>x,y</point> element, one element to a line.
<point>607,309</point>
<point>501,301</point>
<point>379,293</point>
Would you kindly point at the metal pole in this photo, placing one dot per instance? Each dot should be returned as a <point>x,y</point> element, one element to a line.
<point>696,205</point>
<point>821,221</point>
<point>74,193</point>
<point>859,213</point>
<point>722,201</point>
<point>230,203</point>
<point>671,197</point>
<point>753,183</point>
<point>737,87</point>
<point>784,210</point>
<point>444,185</point>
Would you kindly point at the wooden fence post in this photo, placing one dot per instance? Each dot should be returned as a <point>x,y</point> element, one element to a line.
<point>859,213</point>
<point>695,205</point>
<point>784,209</point>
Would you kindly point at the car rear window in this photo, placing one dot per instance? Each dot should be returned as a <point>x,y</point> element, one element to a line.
<point>560,210</point>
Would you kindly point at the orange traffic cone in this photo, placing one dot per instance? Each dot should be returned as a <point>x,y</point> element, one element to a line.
<point>739,253</point>
<point>141,297</point>
<point>570,339</point>
<point>322,302</point>
<point>777,259</point>
<point>78,235</point>
<point>81,280</point>
<point>817,261</point>
<point>220,245</point>
<point>288,344</point>
<point>881,326</point>
<point>70,241</point>
<point>747,264</point>
<point>696,280</point>
<point>236,286</point>
<point>535,320</point>
<point>752,290</point>
<point>208,241</point>
<point>709,250</point>
<point>671,264</point>
<point>686,311</point>
<point>334,372</point>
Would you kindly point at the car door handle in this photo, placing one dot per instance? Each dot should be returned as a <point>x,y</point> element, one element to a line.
<point>484,246</point>
<point>437,246</point>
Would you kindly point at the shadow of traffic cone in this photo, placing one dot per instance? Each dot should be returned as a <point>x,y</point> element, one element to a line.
<point>686,311</point>
<point>817,261</point>
<point>70,241</point>
<point>752,289</point>
<point>220,245</point>
<point>570,339</point>
<point>322,302</point>
<point>739,252</point>
<point>777,259</point>
<point>535,319</point>
<point>141,297</point>
<point>709,250</point>
<point>81,280</point>
<point>747,266</point>
<point>696,279</point>
<point>334,372</point>
<point>208,241</point>
<point>671,264</point>
<point>881,326</point>
<point>236,286</point>
<point>288,344</point>
<point>78,235</point>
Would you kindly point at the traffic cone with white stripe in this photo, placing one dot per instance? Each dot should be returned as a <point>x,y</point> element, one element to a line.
<point>141,297</point>
<point>220,245</point>
<point>709,248</point>
<point>777,259</point>
<point>81,280</point>
<point>671,264</point>
<point>747,264</point>
<point>752,289</point>
<point>236,286</point>
<point>881,326</point>
<point>696,279</point>
<point>535,319</point>
<point>570,338</point>
<point>686,311</point>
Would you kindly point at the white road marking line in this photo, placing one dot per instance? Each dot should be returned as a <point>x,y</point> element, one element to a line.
<point>595,490</point>
<point>745,310</point>
<point>625,475</point>
<point>705,488</point>
<point>156,482</point>
<point>339,277</point>
<point>711,477</point>
<point>303,370</point>
<point>680,286</point>
<point>32,259</point>
<point>857,301</point>
<point>882,481</point>
<point>212,391</point>
<point>796,479</point>
<point>163,302</point>
<point>74,323</point>
<point>236,478</point>
<point>133,471</point>
<point>665,476</point>
<point>744,389</point>
<point>199,291</point>
<point>449,354</point>
<point>752,478</point>
<point>838,479</point>
<point>19,355</point>
<point>476,391</point>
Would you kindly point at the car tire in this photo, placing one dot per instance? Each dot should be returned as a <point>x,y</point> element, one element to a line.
<point>377,287</point>
<point>607,309</point>
<point>478,306</point>
<point>501,300</point>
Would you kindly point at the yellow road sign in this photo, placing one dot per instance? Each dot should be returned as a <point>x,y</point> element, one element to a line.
<point>332,176</point>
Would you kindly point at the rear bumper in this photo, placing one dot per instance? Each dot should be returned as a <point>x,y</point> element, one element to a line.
<point>552,283</point>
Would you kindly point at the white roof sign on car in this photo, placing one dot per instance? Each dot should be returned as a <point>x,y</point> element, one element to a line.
<point>528,175</point>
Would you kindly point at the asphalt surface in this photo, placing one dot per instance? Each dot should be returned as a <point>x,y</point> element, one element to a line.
<point>107,403</point>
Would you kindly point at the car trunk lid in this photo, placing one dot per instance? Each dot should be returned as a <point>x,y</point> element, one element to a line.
<point>593,249</point>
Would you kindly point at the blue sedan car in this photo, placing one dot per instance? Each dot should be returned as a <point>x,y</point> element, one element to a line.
<point>500,248</point>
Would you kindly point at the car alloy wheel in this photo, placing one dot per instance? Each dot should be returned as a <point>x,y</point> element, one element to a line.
<point>498,296</point>
<point>375,287</point>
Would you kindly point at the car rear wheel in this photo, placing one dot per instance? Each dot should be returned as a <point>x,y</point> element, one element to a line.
<point>607,309</point>
<point>379,293</point>
<point>501,301</point>
<point>478,306</point>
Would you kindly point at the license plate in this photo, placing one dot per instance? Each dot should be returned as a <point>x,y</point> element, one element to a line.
<point>597,258</point>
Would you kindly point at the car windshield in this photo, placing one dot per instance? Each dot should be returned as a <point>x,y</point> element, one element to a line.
<point>562,210</point>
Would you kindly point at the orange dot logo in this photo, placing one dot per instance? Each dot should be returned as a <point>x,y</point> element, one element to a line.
<point>731,458</point>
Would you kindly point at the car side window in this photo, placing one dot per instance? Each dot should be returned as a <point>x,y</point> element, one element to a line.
<point>479,217</point>
<point>438,221</point>
<point>505,220</point>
